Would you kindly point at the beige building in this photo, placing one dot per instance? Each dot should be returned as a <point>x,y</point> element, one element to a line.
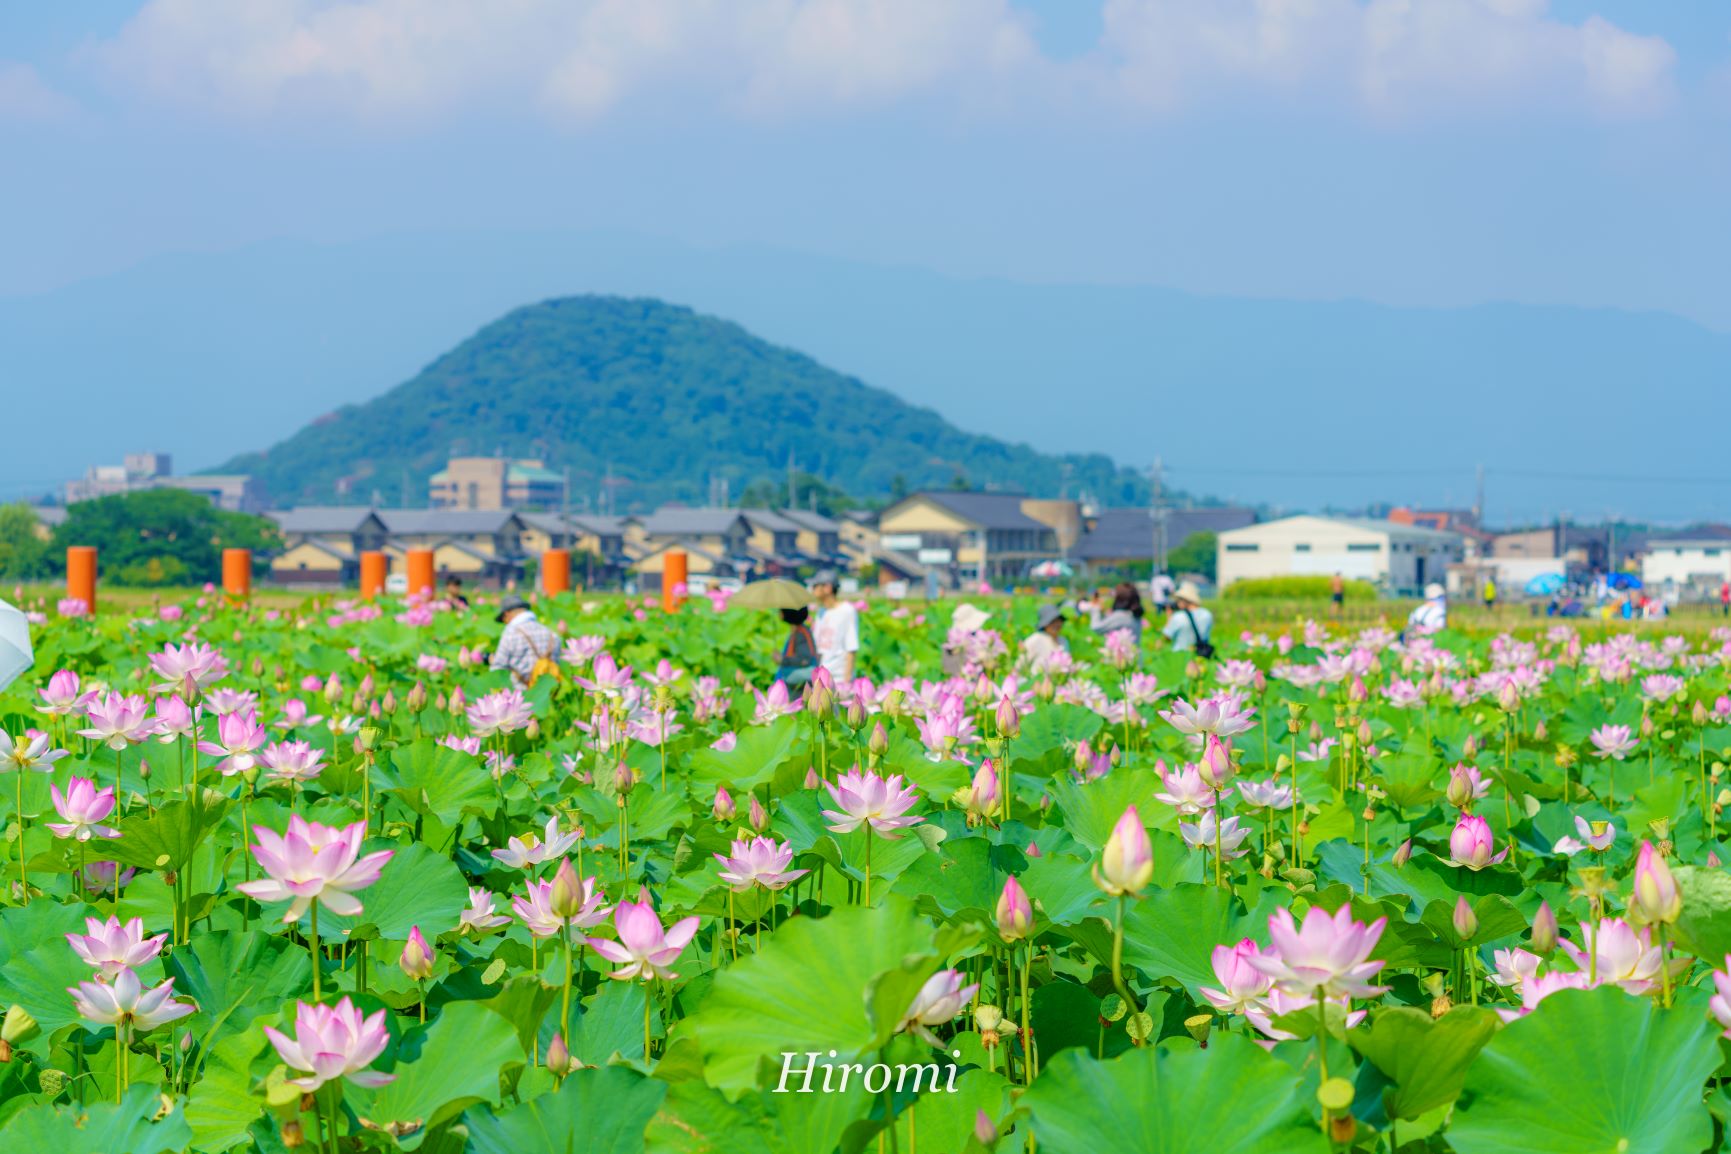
<point>476,483</point>
<point>978,536</point>
<point>322,544</point>
<point>1401,559</point>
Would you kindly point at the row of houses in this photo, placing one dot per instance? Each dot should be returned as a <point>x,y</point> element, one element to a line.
<point>939,538</point>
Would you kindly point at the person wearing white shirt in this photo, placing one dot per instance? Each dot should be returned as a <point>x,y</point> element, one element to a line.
<point>1046,639</point>
<point>1433,614</point>
<point>836,630</point>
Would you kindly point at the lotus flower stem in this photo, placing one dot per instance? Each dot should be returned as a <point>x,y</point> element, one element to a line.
<point>313,949</point>
<point>1027,1032</point>
<point>1322,1047</point>
<point>1118,958</point>
<point>1292,769</point>
<point>1219,881</point>
<point>648,989</point>
<point>1664,965</point>
<point>23,881</point>
<point>732,941</point>
<point>868,869</point>
<point>120,1042</point>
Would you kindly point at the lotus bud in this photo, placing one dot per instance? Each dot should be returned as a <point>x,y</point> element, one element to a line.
<point>333,690</point>
<point>1712,859</point>
<point>144,770</point>
<point>812,780</point>
<point>566,898</point>
<point>417,959</point>
<point>417,699</point>
<point>558,1057</point>
<point>278,673</point>
<point>1127,862</point>
<point>189,690</point>
<point>389,704</point>
<point>1460,788</point>
<point>1364,733</point>
<point>1008,718</point>
<point>1508,697</point>
<point>367,684</point>
<point>1044,689</point>
<point>257,664</point>
<point>1033,850</point>
<point>1084,757</point>
<point>1470,748</point>
<point>982,793</point>
<point>894,702</point>
<point>439,702</point>
<point>984,1131</point>
<point>17,1027</point>
<point>1466,923</point>
<point>1115,756</point>
<point>856,714</point>
<point>1356,691</point>
<point>1656,899</point>
<point>358,703</point>
<point>458,702</point>
<point>1544,939</point>
<point>1540,733</point>
<point>879,742</point>
<point>1316,731</point>
<point>532,731</point>
<point>1194,669</point>
<point>1403,854</point>
<point>623,780</point>
<point>1216,764</point>
<point>723,809</point>
<point>1015,912</point>
<point>759,817</point>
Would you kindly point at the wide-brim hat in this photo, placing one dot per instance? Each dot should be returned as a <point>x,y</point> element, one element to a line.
<point>969,617</point>
<point>509,602</point>
<point>1187,591</point>
<point>1047,615</point>
<point>825,577</point>
<point>1434,592</point>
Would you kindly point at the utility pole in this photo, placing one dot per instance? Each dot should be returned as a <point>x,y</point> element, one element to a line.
<point>790,487</point>
<point>1159,522</point>
<point>1479,501</point>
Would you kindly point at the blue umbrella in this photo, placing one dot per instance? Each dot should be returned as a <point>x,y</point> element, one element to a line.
<point>1545,584</point>
<point>1625,581</point>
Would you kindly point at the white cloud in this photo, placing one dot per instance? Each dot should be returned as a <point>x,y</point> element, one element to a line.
<point>580,60</point>
<point>1394,59</point>
<point>410,58</point>
<point>25,98</point>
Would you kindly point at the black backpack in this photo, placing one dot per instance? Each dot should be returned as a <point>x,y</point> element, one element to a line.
<point>1204,647</point>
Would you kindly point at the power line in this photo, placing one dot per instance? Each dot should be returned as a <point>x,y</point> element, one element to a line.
<point>1522,474</point>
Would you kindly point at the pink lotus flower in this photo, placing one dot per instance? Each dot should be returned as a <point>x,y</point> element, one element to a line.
<point>1540,987</point>
<point>981,796</point>
<point>110,947</point>
<point>82,806</point>
<point>1720,1003</point>
<point>1242,985</point>
<point>429,663</point>
<point>188,666</point>
<point>295,715</point>
<point>1126,863</point>
<point>723,809</point>
<point>643,948</point>
<point>1216,765</point>
<point>1655,899</point>
<point>1614,954</point>
<point>775,704</point>
<point>1660,687</point>
<point>31,751</point>
<point>333,1042</point>
<point>1472,844</point>
<point>502,711</point>
<point>758,861</point>
<point>1223,715</point>
<point>417,959</point>
<point>606,676</point>
<point>226,700</point>
<point>867,799</point>
<point>528,851</point>
<point>62,696</point>
<point>461,744</point>
<point>1200,835</point>
<point>174,720</point>
<point>314,863</point>
<point>106,877</point>
<point>1613,741</point>
<point>239,736</point>
<point>547,911</point>
<point>73,607</point>
<point>1015,913</point>
<point>292,761</point>
<point>1514,968</point>
<point>1466,785</point>
<point>1268,794</point>
<point>1185,790</point>
<point>117,720</point>
<point>478,915</point>
<point>938,1002</point>
<point>126,1005</point>
<point>1330,953</point>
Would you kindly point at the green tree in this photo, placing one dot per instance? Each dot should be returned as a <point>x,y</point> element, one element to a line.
<point>23,551</point>
<point>1195,555</point>
<point>164,536</point>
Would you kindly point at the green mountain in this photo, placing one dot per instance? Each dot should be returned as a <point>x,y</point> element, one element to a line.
<point>660,397</point>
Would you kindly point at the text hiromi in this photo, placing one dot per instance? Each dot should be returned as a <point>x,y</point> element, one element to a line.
<point>882,1072</point>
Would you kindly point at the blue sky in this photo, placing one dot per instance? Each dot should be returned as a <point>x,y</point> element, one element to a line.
<point>1401,151</point>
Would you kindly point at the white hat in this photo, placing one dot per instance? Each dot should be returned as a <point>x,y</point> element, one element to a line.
<point>968,617</point>
<point>1187,591</point>
<point>1434,592</point>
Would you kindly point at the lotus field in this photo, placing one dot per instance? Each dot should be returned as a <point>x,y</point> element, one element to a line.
<point>317,878</point>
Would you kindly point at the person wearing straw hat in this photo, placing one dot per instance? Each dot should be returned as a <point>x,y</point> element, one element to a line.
<point>1047,639</point>
<point>1433,613</point>
<point>1189,627</point>
<point>526,646</point>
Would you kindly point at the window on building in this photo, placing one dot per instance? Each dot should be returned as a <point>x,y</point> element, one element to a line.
<point>1301,547</point>
<point>1364,547</point>
<point>1243,548</point>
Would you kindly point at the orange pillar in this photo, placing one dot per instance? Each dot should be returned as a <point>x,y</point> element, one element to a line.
<point>555,571</point>
<point>421,575</point>
<point>375,566</point>
<point>81,574</point>
<point>237,573</point>
<point>673,578</point>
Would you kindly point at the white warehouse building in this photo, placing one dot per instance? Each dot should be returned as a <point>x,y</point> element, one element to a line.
<point>1400,559</point>
<point>1676,564</point>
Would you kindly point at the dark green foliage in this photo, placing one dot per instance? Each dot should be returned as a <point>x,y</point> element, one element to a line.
<point>162,537</point>
<point>23,554</point>
<point>1196,555</point>
<point>667,399</point>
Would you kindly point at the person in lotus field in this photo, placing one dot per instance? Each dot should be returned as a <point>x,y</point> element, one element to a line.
<point>1046,639</point>
<point>837,628</point>
<point>524,643</point>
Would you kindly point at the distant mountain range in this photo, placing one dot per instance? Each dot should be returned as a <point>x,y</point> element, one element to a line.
<point>1300,404</point>
<point>659,397</point>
